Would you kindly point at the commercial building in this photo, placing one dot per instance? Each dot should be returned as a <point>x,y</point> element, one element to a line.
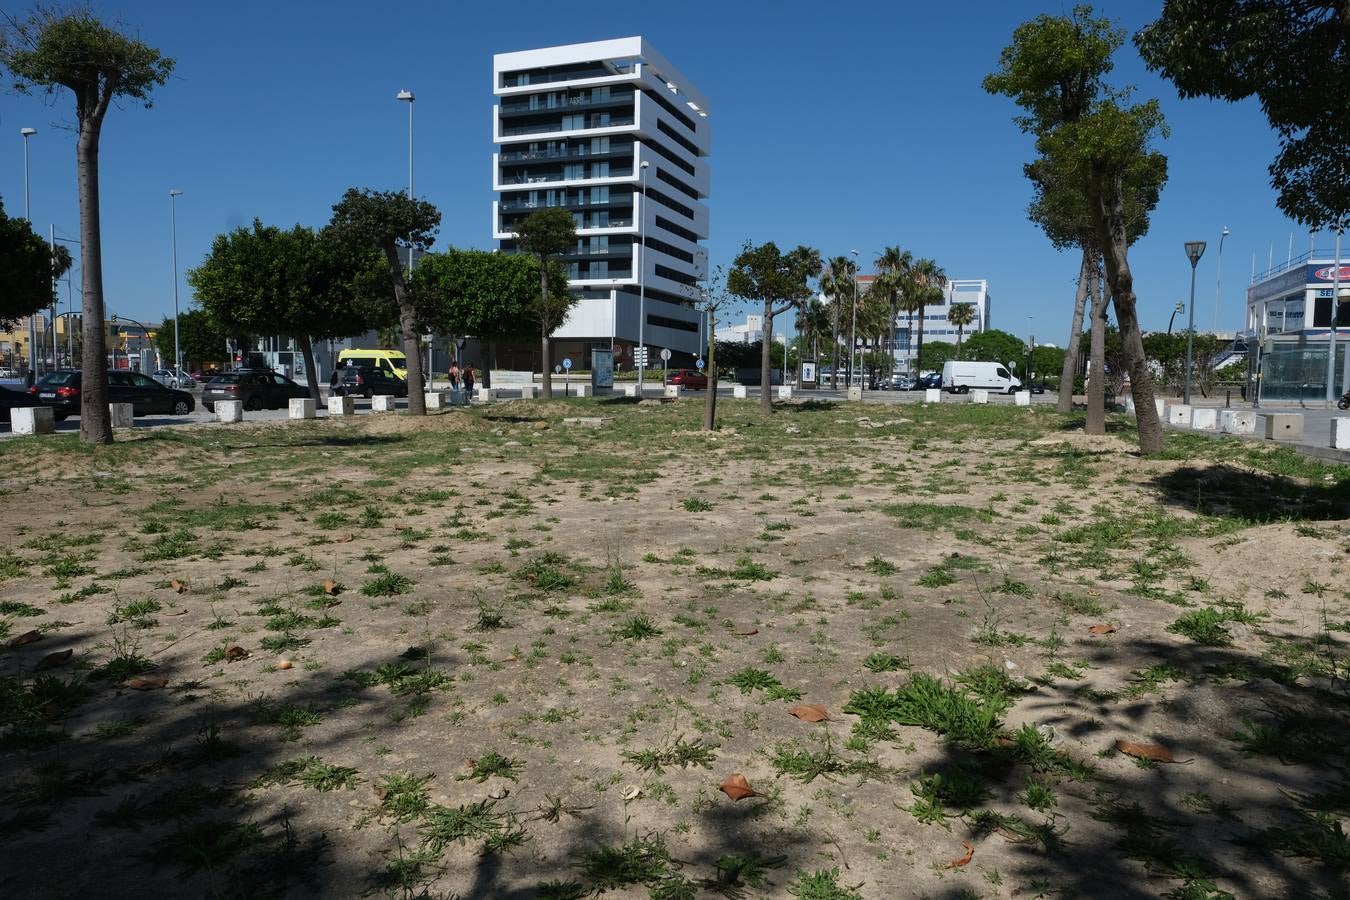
<point>937,325</point>
<point>750,331</point>
<point>617,136</point>
<point>1289,329</point>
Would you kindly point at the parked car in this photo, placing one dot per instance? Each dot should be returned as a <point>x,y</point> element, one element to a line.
<point>392,361</point>
<point>13,400</point>
<point>959,377</point>
<point>367,381</point>
<point>255,388</point>
<point>61,391</point>
<point>201,376</point>
<point>1035,387</point>
<point>931,380</point>
<point>903,383</point>
<point>688,378</point>
<point>174,378</point>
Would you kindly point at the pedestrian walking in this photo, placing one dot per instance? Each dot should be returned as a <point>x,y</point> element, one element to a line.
<point>454,376</point>
<point>468,379</point>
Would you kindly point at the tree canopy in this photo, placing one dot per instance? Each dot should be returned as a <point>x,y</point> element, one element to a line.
<point>994,346</point>
<point>1294,57</point>
<point>765,274</point>
<point>546,233</point>
<point>475,292</point>
<point>201,339</point>
<point>26,270</point>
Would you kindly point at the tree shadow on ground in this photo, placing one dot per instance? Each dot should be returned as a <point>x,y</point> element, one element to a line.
<point>1223,490</point>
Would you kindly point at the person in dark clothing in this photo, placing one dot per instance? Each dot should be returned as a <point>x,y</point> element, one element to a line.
<point>467,376</point>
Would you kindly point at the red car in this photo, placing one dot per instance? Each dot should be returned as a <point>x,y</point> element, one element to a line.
<point>688,378</point>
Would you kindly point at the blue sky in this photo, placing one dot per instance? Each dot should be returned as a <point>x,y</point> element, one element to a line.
<point>852,125</point>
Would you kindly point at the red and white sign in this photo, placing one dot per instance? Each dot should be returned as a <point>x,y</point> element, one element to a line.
<point>1328,273</point>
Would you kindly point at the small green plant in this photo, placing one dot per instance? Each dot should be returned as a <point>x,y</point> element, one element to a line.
<point>751,679</point>
<point>878,566</point>
<point>493,765</point>
<point>403,797</point>
<point>823,884</point>
<point>139,613</point>
<point>387,585</point>
<point>637,628</point>
<point>682,753</point>
<point>884,662</point>
<point>498,830</point>
<point>1204,626</point>
<point>694,504</point>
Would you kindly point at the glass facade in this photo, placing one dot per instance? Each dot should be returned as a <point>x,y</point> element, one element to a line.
<point>1296,370</point>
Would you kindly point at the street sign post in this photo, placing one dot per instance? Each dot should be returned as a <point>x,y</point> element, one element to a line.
<point>665,364</point>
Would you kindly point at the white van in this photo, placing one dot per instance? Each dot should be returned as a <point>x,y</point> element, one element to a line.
<point>961,377</point>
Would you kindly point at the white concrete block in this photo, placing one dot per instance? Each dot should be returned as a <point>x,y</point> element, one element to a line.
<point>382,403</point>
<point>341,406</point>
<point>1340,433</point>
<point>630,390</point>
<point>302,408</point>
<point>932,395</point>
<point>979,396</point>
<point>740,391</point>
<point>855,393</point>
<point>674,390</point>
<point>581,390</point>
<point>1204,419</point>
<point>229,411</point>
<point>32,420</point>
<point>1284,426</point>
<point>1161,405</point>
<point>1022,398</point>
<point>436,399</point>
<point>122,415</point>
<point>1236,421</point>
<point>528,391</point>
<point>785,392</point>
<point>1129,403</point>
<point>487,394</point>
<point>1178,414</point>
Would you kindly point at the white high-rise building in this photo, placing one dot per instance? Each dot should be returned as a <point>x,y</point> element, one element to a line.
<point>936,324</point>
<point>584,127</point>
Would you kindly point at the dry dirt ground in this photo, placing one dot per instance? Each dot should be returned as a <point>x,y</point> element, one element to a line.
<point>493,654</point>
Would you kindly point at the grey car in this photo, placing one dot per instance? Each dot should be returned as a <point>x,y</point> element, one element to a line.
<point>255,388</point>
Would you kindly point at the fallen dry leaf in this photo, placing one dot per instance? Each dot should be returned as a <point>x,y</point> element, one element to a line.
<point>331,587</point>
<point>632,792</point>
<point>1104,628</point>
<point>810,712</point>
<point>283,664</point>
<point>345,539</point>
<point>964,858</point>
<point>234,652</point>
<point>52,660</point>
<point>27,637</point>
<point>737,788</point>
<point>178,586</point>
<point>146,682</point>
<point>748,631</point>
<point>1155,752</point>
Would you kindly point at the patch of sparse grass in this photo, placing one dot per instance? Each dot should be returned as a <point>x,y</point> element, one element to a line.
<point>387,585</point>
<point>884,662</point>
<point>492,765</point>
<point>823,884</point>
<point>937,517</point>
<point>497,829</point>
<point>971,721</point>
<point>680,752</point>
<point>637,628</point>
<point>695,504</point>
<point>751,679</point>
<point>880,567</point>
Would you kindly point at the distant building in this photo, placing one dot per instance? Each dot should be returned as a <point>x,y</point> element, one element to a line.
<point>749,332</point>
<point>937,325</point>
<point>1288,329</point>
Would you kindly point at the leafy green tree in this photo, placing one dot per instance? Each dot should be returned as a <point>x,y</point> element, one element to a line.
<point>961,315</point>
<point>937,353</point>
<point>266,280</point>
<point>1046,360</point>
<point>54,49</point>
<point>764,274</point>
<point>996,346</point>
<point>1100,146</point>
<point>893,269</point>
<point>384,221</point>
<point>26,271</point>
<point>547,233</point>
<point>838,282</point>
<point>200,338</point>
<point>928,280</point>
<point>813,319</point>
<point>1292,56</point>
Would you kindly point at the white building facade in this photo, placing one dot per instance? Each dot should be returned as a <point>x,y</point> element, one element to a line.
<point>937,325</point>
<point>585,127</point>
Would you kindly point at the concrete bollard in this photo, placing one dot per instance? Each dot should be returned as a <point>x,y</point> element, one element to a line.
<point>629,390</point>
<point>487,394</point>
<point>1204,419</point>
<point>528,391</point>
<point>674,391</point>
<point>1161,405</point>
<point>122,415</point>
<point>1022,398</point>
<point>435,399</point>
<point>229,411</point>
<point>302,408</point>
<point>341,406</point>
<point>1283,426</point>
<point>581,390</point>
<point>979,396</point>
<point>1178,414</point>
<point>32,420</point>
<point>785,392</point>
<point>1340,433</point>
<point>1235,421</point>
<point>740,391</point>
<point>855,393</point>
<point>382,403</point>
<point>932,395</point>
<point>1129,403</point>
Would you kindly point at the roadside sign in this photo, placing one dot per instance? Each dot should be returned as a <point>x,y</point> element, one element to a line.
<point>639,356</point>
<point>567,363</point>
<point>665,354</point>
<point>698,364</point>
<point>557,370</point>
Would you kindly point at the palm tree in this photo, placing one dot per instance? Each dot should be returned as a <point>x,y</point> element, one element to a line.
<point>929,280</point>
<point>813,319</point>
<point>961,315</point>
<point>893,265</point>
<point>838,283</point>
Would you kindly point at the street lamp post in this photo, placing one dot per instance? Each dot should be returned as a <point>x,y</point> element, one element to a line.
<point>408,96</point>
<point>1218,280</point>
<point>174,194</point>
<point>1335,303</point>
<point>853,329</point>
<point>28,217</point>
<point>1194,250</point>
<point>642,279</point>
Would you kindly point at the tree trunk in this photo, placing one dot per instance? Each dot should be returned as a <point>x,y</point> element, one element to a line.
<point>1109,213</point>
<point>491,362</point>
<point>710,401</point>
<point>547,391</point>
<point>412,347</point>
<point>1096,396</point>
<point>766,401</point>
<point>834,355</point>
<point>960,333</point>
<point>311,370</point>
<point>918,348</point>
<point>1070,369</point>
<point>95,423</point>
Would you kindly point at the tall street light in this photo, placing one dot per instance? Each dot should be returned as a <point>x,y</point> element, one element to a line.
<point>27,214</point>
<point>1194,250</point>
<point>1335,303</point>
<point>1218,280</point>
<point>174,194</point>
<point>853,329</point>
<point>408,96</point>
<point>642,279</point>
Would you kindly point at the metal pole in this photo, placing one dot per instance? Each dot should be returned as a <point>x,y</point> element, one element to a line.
<point>853,328</point>
<point>410,160</point>
<point>173,222</point>
<point>1190,336</point>
<point>1218,280</point>
<point>28,218</point>
<point>52,235</point>
<point>1335,298</point>
<point>642,277</point>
